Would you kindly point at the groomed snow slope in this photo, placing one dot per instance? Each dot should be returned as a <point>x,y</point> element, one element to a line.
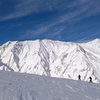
<point>17,86</point>
<point>52,58</point>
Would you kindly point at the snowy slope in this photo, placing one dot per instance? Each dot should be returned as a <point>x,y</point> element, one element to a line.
<point>53,58</point>
<point>16,86</point>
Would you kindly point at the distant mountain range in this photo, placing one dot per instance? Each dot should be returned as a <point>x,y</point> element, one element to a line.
<point>52,58</point>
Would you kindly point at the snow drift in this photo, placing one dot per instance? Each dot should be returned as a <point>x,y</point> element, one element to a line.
<point>17,86</point>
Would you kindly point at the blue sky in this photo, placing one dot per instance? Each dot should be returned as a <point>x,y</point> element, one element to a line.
<point>64,20</point>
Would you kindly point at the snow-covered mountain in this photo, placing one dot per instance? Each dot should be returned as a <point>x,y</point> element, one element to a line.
<point>52,58</point>
<point>17,86</point>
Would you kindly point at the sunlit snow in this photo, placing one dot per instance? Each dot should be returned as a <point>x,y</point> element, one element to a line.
<point>53,58</point>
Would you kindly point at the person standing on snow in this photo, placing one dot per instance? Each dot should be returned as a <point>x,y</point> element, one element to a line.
<point>90,79</point>
<point>79,77</point>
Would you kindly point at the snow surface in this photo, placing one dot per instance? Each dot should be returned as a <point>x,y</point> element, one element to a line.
<point>17,86</point>
<point>52,58</point>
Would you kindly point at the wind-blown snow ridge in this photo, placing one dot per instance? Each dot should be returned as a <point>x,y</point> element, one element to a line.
<point>16,86</point>
<point>53,58</point>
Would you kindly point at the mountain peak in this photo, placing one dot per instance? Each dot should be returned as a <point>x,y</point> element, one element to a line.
<point>51,58</point>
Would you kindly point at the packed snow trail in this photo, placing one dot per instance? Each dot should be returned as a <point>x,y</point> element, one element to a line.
<point>16,86</point>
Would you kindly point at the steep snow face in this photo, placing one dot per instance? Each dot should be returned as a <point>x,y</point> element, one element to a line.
<point>16,86</point>
<point>53,58</point>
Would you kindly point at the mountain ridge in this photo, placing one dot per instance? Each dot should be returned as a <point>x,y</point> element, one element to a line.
<point>52,58</point>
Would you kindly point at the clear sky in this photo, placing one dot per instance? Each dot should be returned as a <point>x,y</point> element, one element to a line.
<point>64,20</point>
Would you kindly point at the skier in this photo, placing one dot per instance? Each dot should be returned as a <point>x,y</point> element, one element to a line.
<point>79,77</point>
<point>90,79</point>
